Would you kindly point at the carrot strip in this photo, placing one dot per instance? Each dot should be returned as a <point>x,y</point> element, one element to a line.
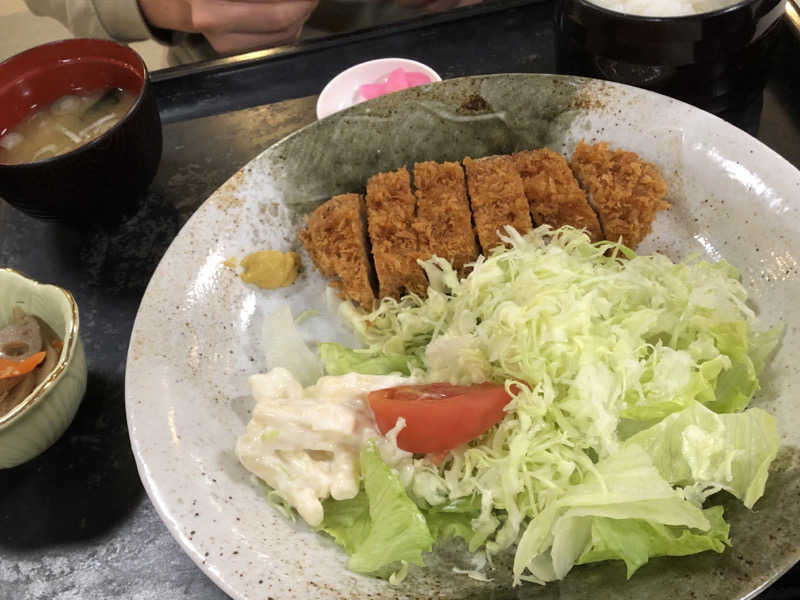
<point>15,368</point>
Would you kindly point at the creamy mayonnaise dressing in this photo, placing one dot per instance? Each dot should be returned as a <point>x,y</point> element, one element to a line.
<point>305,442</point>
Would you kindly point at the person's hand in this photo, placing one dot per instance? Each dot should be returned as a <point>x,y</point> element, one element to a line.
<point>436,5</point>
<point>232,25</point>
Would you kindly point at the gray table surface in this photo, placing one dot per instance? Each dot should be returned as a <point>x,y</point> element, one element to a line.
<point>75,523</point>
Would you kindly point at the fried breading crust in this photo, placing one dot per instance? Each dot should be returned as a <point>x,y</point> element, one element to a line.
<point>335,237</point>
<point>443,215</point>
<point>624,194</point>
<point>554,194</point>
<point>396,243</point>
<point>625,191</point>
<point>497,198</point>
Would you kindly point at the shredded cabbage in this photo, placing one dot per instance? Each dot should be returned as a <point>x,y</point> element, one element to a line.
<point>629,367</point>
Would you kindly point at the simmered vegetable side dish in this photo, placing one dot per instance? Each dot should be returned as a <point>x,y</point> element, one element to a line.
<point>29,351</point>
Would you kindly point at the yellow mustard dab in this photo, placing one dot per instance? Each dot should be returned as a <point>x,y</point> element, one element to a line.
<point>270,269</point>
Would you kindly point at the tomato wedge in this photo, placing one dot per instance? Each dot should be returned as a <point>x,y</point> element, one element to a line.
<point>439,416</point>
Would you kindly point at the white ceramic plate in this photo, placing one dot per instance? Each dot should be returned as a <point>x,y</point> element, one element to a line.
<point>197,334</point>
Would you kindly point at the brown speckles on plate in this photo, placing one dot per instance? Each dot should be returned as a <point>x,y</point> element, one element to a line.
<point>227,197</point>
<point>474,104</point>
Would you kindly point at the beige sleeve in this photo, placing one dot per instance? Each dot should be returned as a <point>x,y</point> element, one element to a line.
<point>118,19</point>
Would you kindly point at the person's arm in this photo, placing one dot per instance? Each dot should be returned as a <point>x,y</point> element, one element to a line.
<point>232,25</point>
<point>228,25</point>
<point>118,19</point>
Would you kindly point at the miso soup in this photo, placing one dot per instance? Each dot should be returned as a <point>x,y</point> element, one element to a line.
<point>69,122</point>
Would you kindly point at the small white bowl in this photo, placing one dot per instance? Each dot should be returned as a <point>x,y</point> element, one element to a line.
<point>342,91</point>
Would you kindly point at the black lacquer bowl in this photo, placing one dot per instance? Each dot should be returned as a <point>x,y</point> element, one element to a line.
<point>717,61</point>
<point>100,181</point>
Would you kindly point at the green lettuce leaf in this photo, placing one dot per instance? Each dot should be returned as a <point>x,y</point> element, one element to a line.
<point>339,360</point>
<point>635,541</point>
<point>453,519</point>
<point>697,447</point>
<point>444,525</point>
<point>763,344</point>
<point>391,531</point>
<point>671,380</point>
<point>347,521</point>
<point>736,385</point>
<point>624,485</point>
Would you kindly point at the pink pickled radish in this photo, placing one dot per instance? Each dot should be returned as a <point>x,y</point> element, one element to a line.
<point>396,81</point>
<point>372,90</point>
<point>416,78</point>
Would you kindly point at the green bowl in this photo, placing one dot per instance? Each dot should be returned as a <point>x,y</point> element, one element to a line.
<point>41,418</point>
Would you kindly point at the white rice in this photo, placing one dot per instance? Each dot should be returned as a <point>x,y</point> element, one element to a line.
<point>664,8</point>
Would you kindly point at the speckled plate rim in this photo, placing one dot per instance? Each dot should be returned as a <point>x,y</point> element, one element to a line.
<point>230,205</point>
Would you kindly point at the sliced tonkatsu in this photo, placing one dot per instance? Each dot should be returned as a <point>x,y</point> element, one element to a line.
<point>625,191</point>
<point>443,214</point>
<point>554,195</point>
<point>396,242</point>
<point>616,196</point>
<point>336,238</point>
<point>497,198</point>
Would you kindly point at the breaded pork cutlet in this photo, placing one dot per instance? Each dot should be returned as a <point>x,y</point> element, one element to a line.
<point>497,198</point>
<point>335,237</point>
<point>443,212</point>
<point>396,243</point>
<point>625,191</point>
<point>554,194</point>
